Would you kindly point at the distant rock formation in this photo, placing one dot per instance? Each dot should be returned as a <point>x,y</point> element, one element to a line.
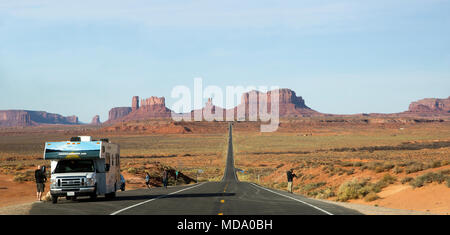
<point>30,118</point>
<point>152,101</point>
<point>290,105</point>
<point>430,105</point>
<point>153,107</point>
<point>96,120</point>
<point>135,103</point>
<point>118,113</point>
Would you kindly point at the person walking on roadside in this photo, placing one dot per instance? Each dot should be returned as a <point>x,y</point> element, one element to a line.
<point>147,180</point>
<point>165,178</point>
<point>40,177</point>
<point>290,177</point>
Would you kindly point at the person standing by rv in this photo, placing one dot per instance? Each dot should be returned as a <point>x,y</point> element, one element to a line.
<point>165,178</point>
<point>40,177</point>
<point>290,178</point>
<point>147,180</point>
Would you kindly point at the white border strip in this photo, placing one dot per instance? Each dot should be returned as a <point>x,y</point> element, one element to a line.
<point>141,203</point>
<point>295,199</point>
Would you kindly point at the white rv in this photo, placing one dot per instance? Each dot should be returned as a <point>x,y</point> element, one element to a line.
<point>83,167</point>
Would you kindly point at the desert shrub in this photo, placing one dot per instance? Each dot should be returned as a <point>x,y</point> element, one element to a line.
<point>19,167</point>
<point>312,186</point>
<point>389,179</point>
<point>379,169</point>
<point>372,196</point>
<point>404,163</point>
<point>414,168</point>
<point>282,185</point>
<point>366,189</point>
<point>357,189</point>
<point>429,177</point>
<point>132,170</point>
<point>308,177</point>
<point>373,165</point>
<point>387,166</point>
<point>406,180</point>
<point>24,176</point>
<point>397,170</point>
<point>417,183</point>
<point>325,193</point>
<point>279,166</point>
<point>350,190</point>
<point>19,178</point>
<point>346,164</point>
<point>435,164</point>
<point>351,171</point>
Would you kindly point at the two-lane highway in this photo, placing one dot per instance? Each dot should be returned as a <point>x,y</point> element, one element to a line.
<point>227,197</point>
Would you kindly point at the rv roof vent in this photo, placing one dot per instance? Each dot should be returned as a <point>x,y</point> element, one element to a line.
<point>85,138</point>
<point>74,139</point>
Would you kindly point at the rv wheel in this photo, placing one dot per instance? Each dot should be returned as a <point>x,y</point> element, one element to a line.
<point>54,199</point>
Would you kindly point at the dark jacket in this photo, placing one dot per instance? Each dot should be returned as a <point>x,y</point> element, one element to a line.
<point>40,176</point>
<point>290,176</point>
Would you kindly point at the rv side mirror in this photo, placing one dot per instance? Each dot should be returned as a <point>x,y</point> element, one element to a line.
<point>106,167</point>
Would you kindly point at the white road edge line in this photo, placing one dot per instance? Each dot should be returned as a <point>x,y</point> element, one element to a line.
<point>295,199</point>
<point>127,208</point>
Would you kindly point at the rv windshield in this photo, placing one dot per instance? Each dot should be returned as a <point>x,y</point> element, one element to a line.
<point>69,166</point>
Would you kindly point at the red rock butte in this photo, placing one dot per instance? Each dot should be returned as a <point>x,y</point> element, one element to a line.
<point>430,105</point>
<point>32,118</point>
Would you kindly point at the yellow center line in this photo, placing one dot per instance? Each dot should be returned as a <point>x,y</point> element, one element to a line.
<point>225,189</point>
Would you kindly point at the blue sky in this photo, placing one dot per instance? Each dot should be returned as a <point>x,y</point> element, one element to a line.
<point>344,57</point>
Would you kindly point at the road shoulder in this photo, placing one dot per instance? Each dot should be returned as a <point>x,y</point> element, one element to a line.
<point>19,209</point>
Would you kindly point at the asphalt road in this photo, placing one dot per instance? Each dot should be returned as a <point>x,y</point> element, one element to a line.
<point>227,197</point>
